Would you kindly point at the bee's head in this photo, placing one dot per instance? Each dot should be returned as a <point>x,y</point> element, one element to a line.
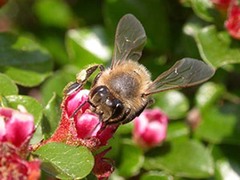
<point>105,104</point>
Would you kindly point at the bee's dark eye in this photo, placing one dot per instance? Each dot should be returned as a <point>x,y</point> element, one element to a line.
<point>100,94</point>
<point>117,109</point>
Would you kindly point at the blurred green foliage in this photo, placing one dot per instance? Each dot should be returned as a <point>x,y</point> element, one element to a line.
<point>44,43</point>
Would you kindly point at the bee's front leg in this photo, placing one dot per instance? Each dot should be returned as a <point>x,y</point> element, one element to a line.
<point>81,79</point>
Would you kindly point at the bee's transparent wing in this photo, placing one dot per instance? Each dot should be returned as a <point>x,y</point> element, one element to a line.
<point>184,73</point>
<point>129,40</point>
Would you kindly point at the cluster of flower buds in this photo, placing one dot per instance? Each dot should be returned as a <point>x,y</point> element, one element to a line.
<point>76,128</point>
<point>83,128</point>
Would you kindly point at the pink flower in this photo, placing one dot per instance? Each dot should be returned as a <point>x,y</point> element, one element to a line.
<point>150,128</point>
<point>233,20</point>
<point>16,130</point>
<point>15,127</point>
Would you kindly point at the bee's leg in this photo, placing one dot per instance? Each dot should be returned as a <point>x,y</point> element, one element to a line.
<point>118,119</point>
<point>136,114</point>
<point>83,75</point>
<point>78,108</point>
<point>99,74</point>
<point>71,87</point>
<point>81,79</point>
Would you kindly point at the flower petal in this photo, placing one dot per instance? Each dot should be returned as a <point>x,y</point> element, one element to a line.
<point>87,125</point>
<point>74,100</point>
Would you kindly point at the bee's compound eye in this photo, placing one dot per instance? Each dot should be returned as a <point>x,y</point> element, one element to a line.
<point>102,91</point>
<point>100,94</point>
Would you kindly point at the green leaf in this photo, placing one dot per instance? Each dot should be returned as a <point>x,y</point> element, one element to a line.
<point>23,60</point>
<point>61,13</point>
<point>8,87</point>
<point>52,114</point>
<point>32,105</point>
<point>131,160</point>
<point>173,103</point>
<point>155,175</point>
<point>208,94</point>
<point>181,158</point>
<point>66,162</point>
<point>87,46</point>
<point>217,48</point>
<point>203,8</point>
<point>220,125</point>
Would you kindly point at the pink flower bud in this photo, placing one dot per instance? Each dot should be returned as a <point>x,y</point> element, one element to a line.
<point>150,128</point>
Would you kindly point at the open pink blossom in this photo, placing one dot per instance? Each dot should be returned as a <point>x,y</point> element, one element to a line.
<point>15,127</point>
<point>16,130</point>
<point>150,128</point>
<point>14,166</point>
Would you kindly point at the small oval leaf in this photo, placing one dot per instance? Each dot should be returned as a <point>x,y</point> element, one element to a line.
<point>66,162</point>
<point>23,60</point>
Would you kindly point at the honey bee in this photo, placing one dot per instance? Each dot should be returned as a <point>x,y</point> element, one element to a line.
<point>121,92</point>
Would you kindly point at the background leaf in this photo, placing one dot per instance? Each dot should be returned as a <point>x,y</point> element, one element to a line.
<point>154,175</point>
<point>220,125</point>
<point>179,158</point>
<point>23,60</point>
<point>131,160</point>
<point>87,46</point>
